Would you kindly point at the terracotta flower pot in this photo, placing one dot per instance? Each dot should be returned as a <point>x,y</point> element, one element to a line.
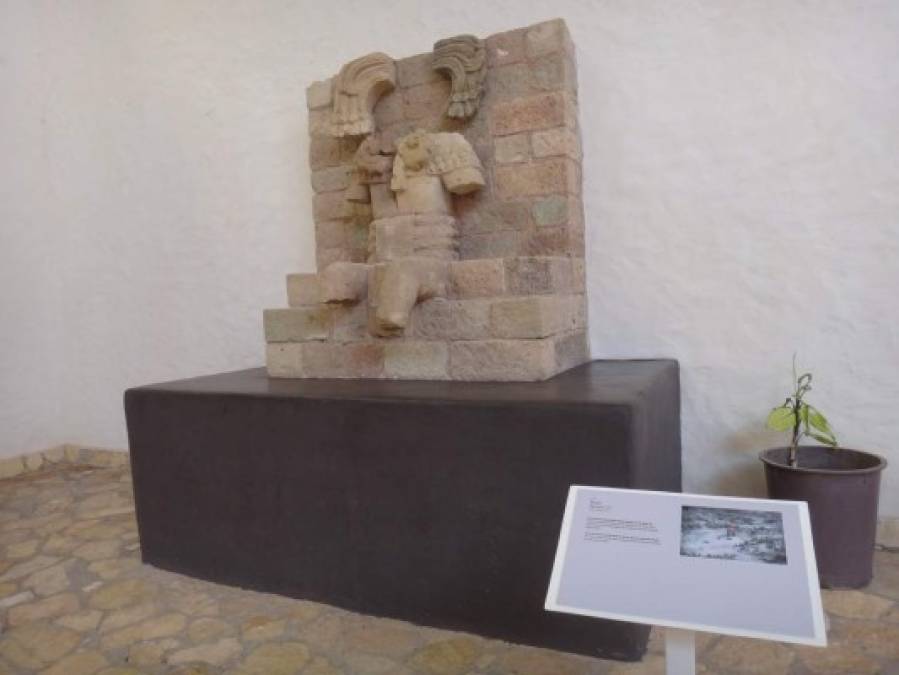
<point>842,488</point>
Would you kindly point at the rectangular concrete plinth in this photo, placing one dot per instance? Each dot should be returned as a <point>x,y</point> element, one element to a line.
<point>434,502</point>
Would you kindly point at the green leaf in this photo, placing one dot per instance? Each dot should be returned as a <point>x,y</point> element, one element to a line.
<point>821,438</point>
<point>781,419</point>
<point>817,420</point>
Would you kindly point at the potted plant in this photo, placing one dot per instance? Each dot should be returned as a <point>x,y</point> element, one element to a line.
<point>840,485</point>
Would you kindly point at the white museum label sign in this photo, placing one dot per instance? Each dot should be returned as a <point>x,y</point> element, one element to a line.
<point>695,562</point>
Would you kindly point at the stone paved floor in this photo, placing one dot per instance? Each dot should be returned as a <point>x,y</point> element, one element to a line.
<point>75,600</point>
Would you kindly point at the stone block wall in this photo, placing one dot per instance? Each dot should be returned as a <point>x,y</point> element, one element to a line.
<point>525,133</point>
<point>514,306</point>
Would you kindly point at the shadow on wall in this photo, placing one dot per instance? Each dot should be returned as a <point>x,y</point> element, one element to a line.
<point>743,475</point>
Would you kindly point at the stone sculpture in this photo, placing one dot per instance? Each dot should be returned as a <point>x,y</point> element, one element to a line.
<point>443,254</point>
<point>357,88</point>
<point>465,59</point>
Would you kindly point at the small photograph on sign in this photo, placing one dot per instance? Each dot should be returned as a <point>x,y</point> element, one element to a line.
<point>733,534</point>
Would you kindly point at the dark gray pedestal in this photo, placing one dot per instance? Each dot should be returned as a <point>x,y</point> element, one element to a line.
<point>434,502</point>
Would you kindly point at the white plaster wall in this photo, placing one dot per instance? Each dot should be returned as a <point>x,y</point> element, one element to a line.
<point>741,185</point>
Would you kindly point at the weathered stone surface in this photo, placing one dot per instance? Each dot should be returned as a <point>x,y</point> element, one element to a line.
<point>464,59</point>
<point>538,274</point>
<point>284,359</point>
<point>478,278</point>
<point>381,637</point>
<point>497,217</point>
<point>216,653</point>
<point>121,594</point>
<point>28,567</point>
<point>284,658</point>
<point>512,149</point>
<point>531,113</point>
<point>151,629</point>
<point>557,210</point>
<point>48,581</point>
<point>447,657</point>
<point>837,659</point>
<point>350,322</point>
<point>530,661</point>
<point>318,94</point>
<point>262,628</point>
<point>126,616</point>
<point>750,657</point>
<point>491,245</point>
<point>296,324</point>
<point>330,206</point>
<point>81,663</point>
<point>484,360</point>
<point>533,316</point>
<point>535,179</point>
<point>548,37</point>
<point>98,550</point>
<point>83,622</point>
<point>556,142</point>
<point>14,599</point>
<point>426,100</point>
<point>344,282</point>
<point>356,89</point>
<point>504,48</point>
<point>442,319</point>
<point>48,608</point>
<point>416,70</point>
<point>342,360</point>
<point>331,179</point>
<point>151,653</point>
<point>855,604</point>
<point>37,645</point>
<point>411,359</point>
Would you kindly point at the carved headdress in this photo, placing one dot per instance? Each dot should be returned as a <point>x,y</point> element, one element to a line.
<point>357,88</point>
<point>465,59</point>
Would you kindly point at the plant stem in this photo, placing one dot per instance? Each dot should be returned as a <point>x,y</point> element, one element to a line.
<point>794,446</point>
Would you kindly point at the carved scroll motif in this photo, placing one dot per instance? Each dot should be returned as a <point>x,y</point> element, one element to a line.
<point>357,88</point>
<point>465,59</point>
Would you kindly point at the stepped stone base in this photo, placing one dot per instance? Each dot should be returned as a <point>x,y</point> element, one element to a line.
<point>515,319</point>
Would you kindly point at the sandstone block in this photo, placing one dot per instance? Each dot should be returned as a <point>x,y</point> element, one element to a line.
<point>342,360</point>
<point>578,275</point>
<point>344,283</point>
<point>323,151</point>
<point>320,122</point>
<point>544,177</point>
<point>330,234</point>
<point>552,241</point>
<point>510,82</point>
<point>502,360</point>
<point>555,72</point>
<point>508,47</point>
<point>350,322</point>
<point>296,324</point>
<point>326,256</point>
<point>389,110</point>
<point>284,359</point>
<point>557,210</point>
<point>318,94</point>
<point>426,100</point>
<point>10,467</point>
<point>558,142</point>
<point>478,278</point>
<point>331,179</point>
<point>533,316</point>
<point>442,319</point>
<point>302,290</point>
<point>531,113</point>
<point>495,217</point>
<point>548,37</point>
<point>490,245</point>
<point>571,349</point>
<point>416,360</point>
<point>511,149</point>
<point>538,275</point>
<point>417,70</point>
<point>330,206</point>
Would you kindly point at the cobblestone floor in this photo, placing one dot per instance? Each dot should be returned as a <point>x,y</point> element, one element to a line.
<point>75,600</point>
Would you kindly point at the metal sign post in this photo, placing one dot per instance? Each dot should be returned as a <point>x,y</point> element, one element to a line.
<point>680,652</point>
